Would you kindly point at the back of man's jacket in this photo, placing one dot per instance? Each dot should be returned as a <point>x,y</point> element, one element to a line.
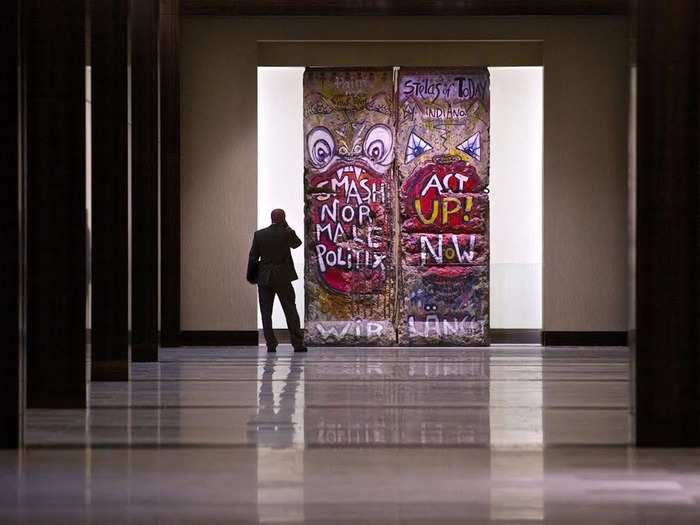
<point>272,256</point>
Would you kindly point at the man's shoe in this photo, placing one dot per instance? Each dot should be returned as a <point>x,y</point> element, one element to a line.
<point>272,349</point>
<point>301,349</point>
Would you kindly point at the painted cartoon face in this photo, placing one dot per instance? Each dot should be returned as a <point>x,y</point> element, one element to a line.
<point>417,146</point>
<point>435,174</point>
<point>348,178</point>
<point>351,144</point>
<point>443,166</point>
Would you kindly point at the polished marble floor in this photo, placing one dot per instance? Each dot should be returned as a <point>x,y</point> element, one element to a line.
<point>507,434</point>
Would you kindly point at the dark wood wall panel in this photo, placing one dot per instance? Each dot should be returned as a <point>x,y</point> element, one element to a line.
<point>144,179</point>
<point>170,171</point>
<point>668,229</point>
<point>110,219</point>
<point>54,68</point>
<point>9,224</point>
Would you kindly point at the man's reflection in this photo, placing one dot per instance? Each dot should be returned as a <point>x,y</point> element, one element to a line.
<point>276,427</point>
<point>277,422</point>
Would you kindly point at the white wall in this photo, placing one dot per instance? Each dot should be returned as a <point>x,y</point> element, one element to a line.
<point>281,162</point>
<point>516,183</point>
<point>516,197</point>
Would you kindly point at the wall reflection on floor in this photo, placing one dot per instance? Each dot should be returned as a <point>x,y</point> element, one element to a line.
<point>411,399</point>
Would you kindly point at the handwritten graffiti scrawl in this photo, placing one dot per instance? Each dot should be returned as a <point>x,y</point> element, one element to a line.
<point>442,159</point>
<point>349,130</point>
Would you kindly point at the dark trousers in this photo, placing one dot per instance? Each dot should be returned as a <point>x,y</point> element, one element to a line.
<point>285,292</point>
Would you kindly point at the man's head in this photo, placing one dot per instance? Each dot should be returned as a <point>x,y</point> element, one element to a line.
<point>277,216</point>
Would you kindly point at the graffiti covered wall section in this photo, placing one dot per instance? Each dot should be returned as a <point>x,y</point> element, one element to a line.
<point>349,132</point>
<point>442,159</point>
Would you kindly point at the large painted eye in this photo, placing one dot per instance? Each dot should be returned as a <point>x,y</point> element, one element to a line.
<point>472,146</point>
<point>320,144</point>
<point>416,147</point>
<point>378,144</point>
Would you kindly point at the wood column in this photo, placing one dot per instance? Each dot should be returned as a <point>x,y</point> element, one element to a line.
<point>170,171</point>
<point>54,76</point>
<point>110,219</point>
<point>668,225</point>
<point>10,255</point>
<point>144,180</point>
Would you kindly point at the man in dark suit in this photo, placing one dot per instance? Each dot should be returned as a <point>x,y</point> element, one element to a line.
<point>270,266</point>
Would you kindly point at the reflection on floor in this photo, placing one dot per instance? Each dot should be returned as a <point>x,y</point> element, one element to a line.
<point>354,435</point>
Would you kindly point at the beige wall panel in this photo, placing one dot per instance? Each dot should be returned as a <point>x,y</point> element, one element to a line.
<point>585,115</point>
<point>383,54</point>
<point>584,179</point>
<point>219,164</point>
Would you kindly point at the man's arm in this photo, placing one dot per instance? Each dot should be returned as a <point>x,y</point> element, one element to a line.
<point>294,241</point>
<point>253,256</point>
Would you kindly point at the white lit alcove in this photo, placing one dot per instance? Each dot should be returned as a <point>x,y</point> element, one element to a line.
<point>515,190</point>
